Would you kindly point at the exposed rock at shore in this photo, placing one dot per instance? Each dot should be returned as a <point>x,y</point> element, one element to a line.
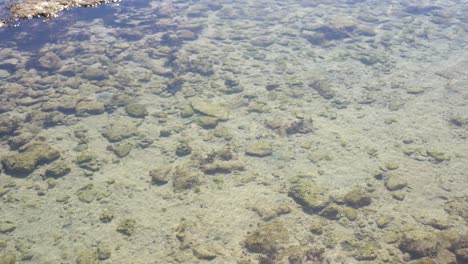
<point>39,8</point>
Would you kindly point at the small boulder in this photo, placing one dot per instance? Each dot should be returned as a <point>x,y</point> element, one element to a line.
<point>136,110</point>
<point>308,194</point>
<point>24,163</point>
<point>183,149</point>
<point>394,182</point>
<point>259,149</point>
<point>95,74</point>
<point>160,176</point>
<point>210,109</point>
<point>357,198</point>
<point>268,239</point>
<point>86,108</point>
<point>58,170</point>
<point>126,226</point>
<point>121,150</point>
<point>50,61</point>
<point>419,243</point>
<point>184,179</point>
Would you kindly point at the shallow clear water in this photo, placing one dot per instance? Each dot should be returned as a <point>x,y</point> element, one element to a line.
<point>236,132</point>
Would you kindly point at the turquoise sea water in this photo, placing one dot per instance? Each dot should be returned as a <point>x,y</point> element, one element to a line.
<point>236,132</point>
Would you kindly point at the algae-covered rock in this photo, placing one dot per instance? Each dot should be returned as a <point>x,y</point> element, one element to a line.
<point>7,227</point>
<point>86,108</point>
<point>121,150</point>
<point>136,110</point>
<point>24,163</point>
<point>106,216</point>
<point>394,182</point>
<point>462,254</point>
<point>103,251</point>
<point>87,257</point>
<point>207,252</point>
<point>435,218</point>
<point>85,156</point>
<point>58,170</point>
<point>210,109</point>
<point>20,140</point>
<point>184,179</point>
<point>268,239</point>
<point>160,175</point>
<point>223,167</point>
<point>366,252</point>
<point>323,88</point>
<point>357,198</point>
<point>50,61</point>
<point>120,129</point>
<point>332,212</point>
<point>87,194</point>
<point>207,122</point>
<point>187,112</point>
<point>95,74</point>
<point>383,221</point>
<point>183,149</point>
<point>308,194</point>
<point>7,258</point>
<point>259,149</point>
<point>438,155</point>
<point>88,160</point>
<point>350,213</point>
<point>419,243</point>
<point>126,226</point>
<point>391,165</point>
<point>8,124</point>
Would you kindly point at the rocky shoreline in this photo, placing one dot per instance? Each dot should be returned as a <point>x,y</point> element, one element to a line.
<point>29,9</point>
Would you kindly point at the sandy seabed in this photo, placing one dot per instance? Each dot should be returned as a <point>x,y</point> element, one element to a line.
<point>236,132</point>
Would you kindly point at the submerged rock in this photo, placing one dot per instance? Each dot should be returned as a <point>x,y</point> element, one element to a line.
<point>7,258</point>
<point>88,160</point>
<point>223,167</point>
<point>86,108</point>
<point>183,149</point>
<point>121,150</point>
<point>87,257</point>
<point>207,122</point>
<point>268,239</point>
<point>419,243</point>
<point>394,182</point>
<point>259,149</point>
<point>8,124</point>
<point>87,194</point>
<point>126,226</point>
<point>357,198</point>
<point>160,175</point>
<point>120,129</point>
<point>20,140</point>
<point>24,163</point>
<point>308,194</point>
<point>50,61</point>
<point>184,179</point>
<point>323,89</point>
<point>136,110</point>
<point>95,74</point>
<point>210,109</point>
<point>57,170</point>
